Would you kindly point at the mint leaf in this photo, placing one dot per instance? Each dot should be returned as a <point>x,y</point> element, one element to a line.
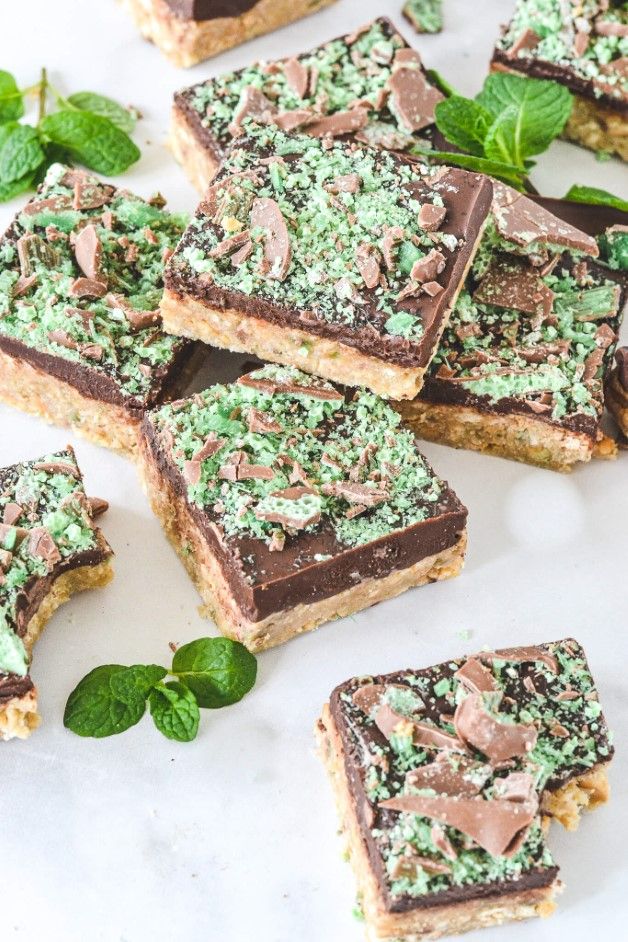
<point>579,193</point>
<point>105,107</point>
<point>217,670</point>
<point>11,100</point>
<point>542,109</point>
<point>136,682</point>
<point>10,190</point>
<point>20,152</point>
<point>494,168</point>
<point>174,711</point>
<point>92,140</point>
<point>463,122</point>
<point>93,710</point>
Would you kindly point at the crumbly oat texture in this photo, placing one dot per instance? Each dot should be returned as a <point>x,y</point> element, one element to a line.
<point>446,780</point>
<point>279,478</point>
<point>49,549</point>
<point>188,41</point>
<point>80,284</point>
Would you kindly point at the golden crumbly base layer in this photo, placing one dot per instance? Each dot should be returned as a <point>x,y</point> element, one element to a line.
<point>432,923</point>
<point>219,604</point>
<point>617,403</point>
<point>199,164</point>
<point>521,438</point>
<point>187,42</point>
<point>25,387</point>
<point>19,717</point>
<point>230,329</point>
<point>584,793</point>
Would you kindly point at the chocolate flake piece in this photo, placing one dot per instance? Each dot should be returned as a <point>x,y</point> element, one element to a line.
<point>413,98</point>
<point>519,655</point>
<point>57,467</point>
<point>520,220</point>
<point>496,740</point>
<point>266,215</point>
<point>356,493</point>
<point>317,389</point>
<point>431,217</point>
<point>341,122</point>
<point>41,543</point>
<point>253,104</point>
<point>12,513</point>
<point>88,288</point>
<point>526,41</point>
<point>282,508</point>
<point>297,76</point>
<point>476,677</point>
<point>426,269</point>
<point>262,423</point>
<point>31,250</point>
<point>88,252</point>
<point>367,259</point>
<point>97,506</point>
<point>347,183</point>
<point>516,285</point>
<point>450,774</point>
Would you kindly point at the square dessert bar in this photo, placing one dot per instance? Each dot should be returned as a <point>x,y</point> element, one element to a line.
<point>520,369</point>
<point>446,779</point>
<point>425,15</point>
<point>584,46</point>
<point>50,548</point>
<point>340,259</point>
<point>188,31</point>
<point>617,391</point>
<point>81,271</point>
<point>291,504</point>
<point>369,85</point>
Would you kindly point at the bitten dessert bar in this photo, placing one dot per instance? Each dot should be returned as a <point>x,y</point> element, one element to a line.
<point>188,31</point>
<point>342,260</point>
<point>520,369</point>
<point>369,86</point>
<point>50,548</point>
<point>584,46</point>
<point>291,504</point>
<point>446,779</point>
<point>81,271</point>
<point>617,391</point>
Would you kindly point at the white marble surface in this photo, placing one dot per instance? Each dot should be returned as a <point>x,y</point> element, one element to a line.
<point>232,838</point>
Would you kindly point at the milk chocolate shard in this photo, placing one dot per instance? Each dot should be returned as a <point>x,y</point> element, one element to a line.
<point>189,31</point>
<point>81,259</point>
<point>508,377</point>
<point>406,807</point>
<point>581,46</point>
<point>371,87</point>
<point>49,549</point>
<point>265,527</point>
<point>314,293</point>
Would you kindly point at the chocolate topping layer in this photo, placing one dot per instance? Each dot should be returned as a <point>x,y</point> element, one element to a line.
<point>201,10</point>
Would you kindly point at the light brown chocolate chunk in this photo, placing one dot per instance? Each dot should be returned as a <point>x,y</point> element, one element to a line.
<point>88,288</point>
<point>356,493</point>
<point>475,677</point>
<point>63,339</point>
<point>90,194</point>
<point>431,217</point>
<point>610,28</point>
<point>262,423</point>
<point>522,221</point>
<point>368,696</point>
<point>192,471</point>
<point>497,741</point>
<point>516,786</point>
<point>138,320</point>
<point>247,472</point>
<point>92,351</point>
<point>88,252</point>
<point>41,544</point>
<point>5,560</point>
<point>521,655</point>
<point>527,40</point>
<point>230,244</point>
<point>580,43</point>
<point>392,236</point>
<point>297,76</point>
<point>266,215</point>
<point>211,445</point>
<point>31,249</point>
<point>17,533</point>
<point>57,467</point>
<point>442,842</point>
<point>410,863</point>
<point>367,259</point>
<point>413,98</point>
<point>297,118</point>
<point>515,285</point>
<point>12,513</point>
<point>97,506</point>
<point>23,285</point>
<point>432,288</point>
<point>317,390</point>
<point>285,518</point>
<point>347,183</point>
<point>449,777</point>
<point>240,256</point>
<point>341,122</point>
<point>498,826</point>
<point>429,267</point>
<point>253,104</point>
<point>390,722</point>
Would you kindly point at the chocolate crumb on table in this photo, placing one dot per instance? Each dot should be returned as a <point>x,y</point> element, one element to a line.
<point>291,503</point>
<point>521,366</point>
<point>340,259</point>
<point>425,15</point>
<point>447,778</point>
<point>584,46</point>
<point>81,271</point>
<point>188,31</point>
<point>368,85</point>
<point>50,548</point>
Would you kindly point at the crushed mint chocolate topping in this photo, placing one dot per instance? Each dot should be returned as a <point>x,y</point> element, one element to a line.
<point>340,88</point>
<point>425,15</point>
<point>442,818</point>
<point>81,278</point>
<point>45,521</point>
<point>289,453</point>
<point>587,39</point>
<point>333,232</point>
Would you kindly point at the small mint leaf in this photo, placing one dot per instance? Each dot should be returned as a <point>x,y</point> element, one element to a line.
<point>94,141</point>
<point>175,711</point>
<point>502,138</point>
<point>21,152</point>
<point>122,117</point>
<point>217,670</point>
<point>579,193</point>
<point>93,710</point>
<point>494,168</point>
<point>464,123</point>
<point>9,191</point>
<point>136,682</point>
<point>11,99</point>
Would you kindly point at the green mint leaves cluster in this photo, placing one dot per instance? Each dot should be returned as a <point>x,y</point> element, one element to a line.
<point>84,128</point>
<point>208,673</point>
<point>511,120</point>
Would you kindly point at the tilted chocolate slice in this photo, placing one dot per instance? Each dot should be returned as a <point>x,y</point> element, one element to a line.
<point>370,85</point>
<point>521,367</point>
<point>50,548</point>
<point>268,524</point>
<point>444,841</point>
<point>582,46</point>
<point>188,31</point>
<point>341,277</point>
<point>81,271</point>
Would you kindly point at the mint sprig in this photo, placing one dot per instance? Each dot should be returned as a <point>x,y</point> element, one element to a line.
<point>594,196</point>
<point>511,120</point>
<point>209,673</point>
<point>85,128</point>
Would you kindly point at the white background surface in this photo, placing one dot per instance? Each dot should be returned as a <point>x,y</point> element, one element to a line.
<point>232,838</point>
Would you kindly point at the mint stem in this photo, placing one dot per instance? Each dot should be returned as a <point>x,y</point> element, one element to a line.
<point>43,91</point>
